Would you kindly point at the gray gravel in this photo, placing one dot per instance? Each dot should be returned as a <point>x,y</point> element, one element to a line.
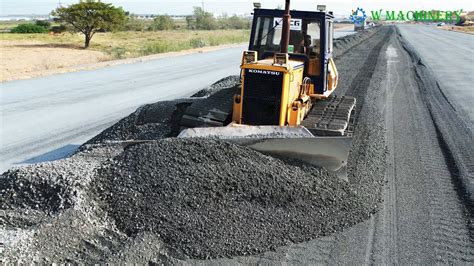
<point>47,216</point>
<point>208,199</point>
<point>344,44</point>
<point>367,159</point>
<point>226,82</point>
<point>148,122</point>
<point>161,119</point>
<point>453,118</point>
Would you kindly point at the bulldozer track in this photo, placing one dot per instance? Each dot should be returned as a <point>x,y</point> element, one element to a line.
<point>332,117</point>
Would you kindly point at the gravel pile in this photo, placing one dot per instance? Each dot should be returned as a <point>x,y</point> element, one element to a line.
<point>342,45</point>
<point>224,83</point>
<point>24,189</point>
<point>152,121</point>
<point>51,187</point>
<point>162,119</point>
<point>46,214</point>
<point>208,199</point>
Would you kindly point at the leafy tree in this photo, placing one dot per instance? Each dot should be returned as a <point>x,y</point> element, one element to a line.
<point>233,22</point>
<point>29,28</point>
<point>58,29</point>
<point>89,17</point>
<point>43,23</point>
<point>163,22</point>
<point>191,22</point>
<point>204,20</point>
<point>135,24</point>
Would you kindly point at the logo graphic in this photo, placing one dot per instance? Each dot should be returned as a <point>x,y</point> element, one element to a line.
<point>264,72</point>
<point>358,16</point>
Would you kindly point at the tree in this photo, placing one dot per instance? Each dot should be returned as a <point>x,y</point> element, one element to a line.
<point>134,24</point>
<point>204,20</point>
<point>163,22</point>
<point>43,23</point>
<point>58,29</point>
<point>234,22</point>
<point>89,17</point>
<point>191,22</point>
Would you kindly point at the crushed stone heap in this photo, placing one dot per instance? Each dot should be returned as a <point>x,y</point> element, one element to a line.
<point>208,198</point>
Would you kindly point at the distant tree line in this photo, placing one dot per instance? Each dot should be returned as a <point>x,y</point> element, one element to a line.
<point>159,22</point>
<point>199,20</point>
<point>91,16</point>
<point>202,20</point>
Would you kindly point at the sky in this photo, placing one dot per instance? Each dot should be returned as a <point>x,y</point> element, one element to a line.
<point>185,7</point>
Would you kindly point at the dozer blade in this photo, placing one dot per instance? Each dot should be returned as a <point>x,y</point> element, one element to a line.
<point>298,143</point>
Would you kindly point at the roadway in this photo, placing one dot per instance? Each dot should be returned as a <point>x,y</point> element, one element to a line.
<point>47,118</point>
<point>450,56</point>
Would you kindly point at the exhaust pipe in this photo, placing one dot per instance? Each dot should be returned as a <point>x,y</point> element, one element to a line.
<point>285,33</point>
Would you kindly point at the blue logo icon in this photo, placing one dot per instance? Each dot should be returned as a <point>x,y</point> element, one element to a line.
<point>358,16</point>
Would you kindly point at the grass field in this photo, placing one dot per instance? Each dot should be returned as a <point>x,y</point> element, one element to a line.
<point>133,44</point>
<point>33,55</point>
<point>6,26</point>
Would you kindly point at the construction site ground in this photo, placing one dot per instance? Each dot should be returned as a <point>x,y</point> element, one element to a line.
<point>408,199</point>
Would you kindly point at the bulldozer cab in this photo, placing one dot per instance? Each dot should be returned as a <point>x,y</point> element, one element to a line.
<point>311,40</point>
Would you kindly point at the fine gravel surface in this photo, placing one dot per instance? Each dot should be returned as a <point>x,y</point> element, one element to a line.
<point>46,215</point>
<point>366,166</point>
<point>345,44</point>
<point>169,199</point>
<point>208,199</point>
<point>452,115</point>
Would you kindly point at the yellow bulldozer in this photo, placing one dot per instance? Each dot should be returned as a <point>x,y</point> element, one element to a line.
<point>286,105</point>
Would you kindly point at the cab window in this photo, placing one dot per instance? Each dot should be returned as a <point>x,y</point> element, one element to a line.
<point>304,36</point>
<point>330,36</point>
<point>313,33</point>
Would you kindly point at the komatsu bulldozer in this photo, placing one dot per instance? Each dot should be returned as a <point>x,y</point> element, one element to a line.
<point>286,105</point>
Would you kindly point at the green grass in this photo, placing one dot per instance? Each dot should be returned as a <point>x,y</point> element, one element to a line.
<point>134,44</point>
<point>6,26</point>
